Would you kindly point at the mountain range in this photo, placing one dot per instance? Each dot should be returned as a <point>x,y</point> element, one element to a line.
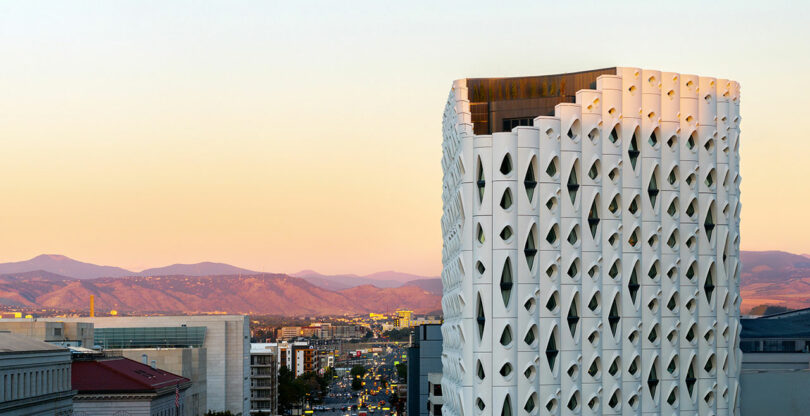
<point>773,278</point>
<point>59,282</point>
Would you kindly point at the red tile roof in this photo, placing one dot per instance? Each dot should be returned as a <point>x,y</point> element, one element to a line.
<point>121,375</point>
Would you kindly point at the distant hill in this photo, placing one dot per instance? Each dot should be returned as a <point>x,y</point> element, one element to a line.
<point>774,278</point>
<point>433,285</point>
<point>274,294</point>
<point>344,281</point>
<point>65,266</point>
<point>198,269</point>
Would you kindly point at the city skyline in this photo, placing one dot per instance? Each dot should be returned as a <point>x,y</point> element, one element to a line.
<point>282,137</point>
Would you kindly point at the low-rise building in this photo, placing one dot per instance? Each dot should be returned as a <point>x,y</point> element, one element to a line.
<point>120,386</point>
<point>264,379</point>
<point>35,377</point>
<point>775,372</point>
<point>186,362</point>
<point>289,332</point>
<point>226,339</point>
<point>435,399</point>
<point>424,358</point>
<point>66,334</point>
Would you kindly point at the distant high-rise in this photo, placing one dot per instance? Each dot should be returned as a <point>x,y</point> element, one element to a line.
<point>591,245</point>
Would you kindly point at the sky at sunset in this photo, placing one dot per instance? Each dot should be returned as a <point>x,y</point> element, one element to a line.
<point>281,136</point>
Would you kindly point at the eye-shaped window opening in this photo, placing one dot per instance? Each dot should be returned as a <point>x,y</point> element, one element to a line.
<point>573,235</point>
<point>593,304</point>
<point>709,146</point>
<point>634,204</point>
<point>690,334</point>
<point>573,183</point>
<point>708,224</point>
<point>672,241</point>
<point>634,365</point>
<point>529,304</point>
<point>690,180</point>
<point>531,336</point>
<point>551,204</point>
<point>614,366</point>
<point>672,142</point>
<point>593,135</point>
<point>692,208</point>
<point>552,303</point>
<point>614,175</point>
<point>573,317</point>
<point>480,404</point>
<point>653,140</point>
<point>613,316</point>
<point>574,131</point>
<point>506,282</point>
<point>480,371</point>
<point>614,134</point>
<point>480,234</point>
<point>530,180</point>
<point>551,349</point>
<point>529,406</point>
<point>672,400</point>
<point>673,302</point>
<point>529,372</point>
<point>573,371</point>
<point>552,168</point>
<point>573,269</point>
<point>506,336</point>
<point>593,217</point>
<point>480,317</point>
<point>613,240</point>
<point>506,164</point>
<point>708,286</point>
<point>690,378</point>
<point>481,181</point>
<point>672,178</point>
<point>551,271</point>
<point>673,208</point>
<point>633,240</point>
<point>506,233</point>
<point>507,406</point>
<point>614,400</point>
<point>573,402</point>
<point>632,285</point>
<point>506,370</point>
<point>595,368</point>
<point>652,188</point>
<point>632,150</point>
<point>652,378</point>
<point>653,335</point>
<point>480,267</point>
<point>593,172</point>
<point>710,363</point>
<point>710,179</point>
<point>506,199</point>
<point>692,141</point>
<point>613,207</point>
<point>530,248</point>
<point>551,237</point>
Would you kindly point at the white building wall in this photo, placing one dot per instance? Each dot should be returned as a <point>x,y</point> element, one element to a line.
<point>594,273</point>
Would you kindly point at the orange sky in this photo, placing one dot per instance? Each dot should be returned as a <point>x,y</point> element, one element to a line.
<point>280,138</point>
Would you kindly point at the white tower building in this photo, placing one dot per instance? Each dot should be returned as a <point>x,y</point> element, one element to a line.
<point>591,245</point>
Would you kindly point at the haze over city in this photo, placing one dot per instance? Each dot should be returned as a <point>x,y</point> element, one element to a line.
<point>286,136</point>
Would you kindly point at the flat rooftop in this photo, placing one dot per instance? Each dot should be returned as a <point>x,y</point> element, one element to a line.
<point>500,104</point>
<point>13,343</point>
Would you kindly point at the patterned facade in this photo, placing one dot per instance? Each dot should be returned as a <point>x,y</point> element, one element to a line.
<point>591,259</point>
